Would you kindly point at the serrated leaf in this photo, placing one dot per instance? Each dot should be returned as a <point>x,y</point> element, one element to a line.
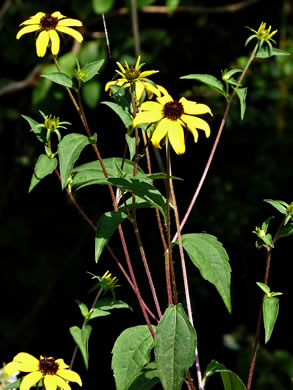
<point>280,205</point>
<point>131,352</point>
<point>69,150</point>
<point>175,345</point>
<point>81,338</point>
<point>102,6</point>
<point>270,314</point>
<point>146,379</point>
<point>209,256</point>
<point>59,78</point>
<point>44,167</point>
<point>39,131</point>
<point>209,80</point>
<point>106,226</point>
<point>230,380</point>
<point>123,115</point>
<point>92,69</point>
<point>241,93</point>
<point>266,52</point>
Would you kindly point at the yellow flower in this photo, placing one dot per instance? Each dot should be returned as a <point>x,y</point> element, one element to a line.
<point>54,372</point>
<point>171,116</point>
<point>49,24</point>
<point>132,74</point>
<point>263,35</point>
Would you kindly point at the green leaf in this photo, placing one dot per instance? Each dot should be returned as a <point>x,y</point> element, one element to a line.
<point>95,313</point>
<point>59,78</point>
<point>131,352</point>
<point>131,145</point>
<point>92,69</point>
<point>146,379</point>
<point>286,231</point>
<point>102,6</point>
<point>111,303</point>
<point>172,5</point>
<point>44,167</point>
<point>230,380</point>
<point>264,287</point>
<point>266,52</point>
<point>81,337</point>
<point>280,205</point>
<point>83,308</point>
<point>209,80</point>
<point>14,385</point>
<point>91,93</point>
<point>39,130</point>
<point>69,150</point>
<point>122,96</point>
<point>175,345</point>
<point>209,256</point>
<point>106,226</point>
<point>241,93</point>
<point>270,314</point>
<point>123,115</point>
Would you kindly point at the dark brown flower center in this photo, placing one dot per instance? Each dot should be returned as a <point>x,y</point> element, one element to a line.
<point>48,366</point>
<point>173,110</point>
<point>132,73</point>
<point>49,22</point>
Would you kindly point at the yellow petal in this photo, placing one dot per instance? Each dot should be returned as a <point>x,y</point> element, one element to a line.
<point>30,379</point>
<point>58,15</point>
<point>194,108</point>
<point>55,42</point>
<point>139,88</point>
<point>194,133</point>
<point>152,88</point>
<point>152,106</point>
<point>26,30</point>
<point>34,19</point>
<point>162,90</point>
<point>164,99</point>
<point>121,68</point>
<point>196,123</point>
<point>70,31</point>
<point>62,365</point>
<point>28,362</point>
<point>159,133</point>
<point>11,368</point>
<point>176,135</point>
<point>147,73</point>
<point>137,63</point>
<point>52,381</point>
<point>70,375</point>
<point>42,43</point>
<point>147,117</point>
<point>70,22</point>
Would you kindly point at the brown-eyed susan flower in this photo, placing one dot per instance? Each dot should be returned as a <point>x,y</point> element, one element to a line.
<point>48,26</point>
<point>171,116</point>
<point>132,74</point>
<point>54,373</point>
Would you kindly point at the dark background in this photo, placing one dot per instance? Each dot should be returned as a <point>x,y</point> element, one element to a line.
<point>46,248</point>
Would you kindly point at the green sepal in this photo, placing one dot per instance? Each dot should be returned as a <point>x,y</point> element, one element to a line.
<point>44,167</point>
<point>81,338</point>
<point>209,80</point>
<point>175,346</point>
<point>241,93</point>
<point>59,78</point>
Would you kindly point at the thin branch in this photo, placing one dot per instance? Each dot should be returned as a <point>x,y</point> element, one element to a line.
<point>15,86</point>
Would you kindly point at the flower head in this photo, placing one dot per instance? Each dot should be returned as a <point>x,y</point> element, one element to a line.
<point>170,117</point>
<point>132,75</point>
<point>48,25</point>
<point>54,372</point>
<point>263,35</point>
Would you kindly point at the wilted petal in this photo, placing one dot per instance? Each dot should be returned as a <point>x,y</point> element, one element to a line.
<point>62,365</point>
<point>58,15</point>
<point>30,379</point>
<point>34,19</point>
<point>42,43</point>
<point>70,31</point>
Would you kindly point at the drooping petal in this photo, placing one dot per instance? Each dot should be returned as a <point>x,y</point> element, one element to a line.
<point>70,22</point>
<point>42,43</point>
<point>160,132</point>
<point>147,117</point>
<point>176,136</point>
<point>165,99</point>
<point>28,362</point>
<point>150,87</point>
<point>119,83</point>
<point>55,42</point>
<point>58,15</point>
<point>151,106</point>
<point>34,19</point>
<point>139,88</point>
<point>196,123</point>
<point>70,31</point>
<point>70,375</point>
<point>26,30</point>
<point>30,379</point>
<point>62,365</point>
<point>52,381</point>
<point>162,90</point>
<point>194,108</point>
<point>147,73</point>
<point>194,133</point>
